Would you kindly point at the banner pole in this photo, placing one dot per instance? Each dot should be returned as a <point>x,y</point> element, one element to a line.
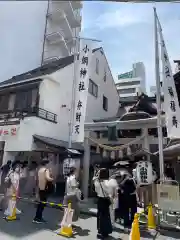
<point>158,98</point>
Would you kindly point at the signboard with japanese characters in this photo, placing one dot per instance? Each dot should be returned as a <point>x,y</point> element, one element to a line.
<point>171,103</point>
<point>67,164</point>
<point>144,173</point>
<point>8,131</point>
<point>81,91</point>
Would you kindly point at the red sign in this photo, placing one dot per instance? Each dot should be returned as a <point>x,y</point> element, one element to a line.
<point>8,131</point>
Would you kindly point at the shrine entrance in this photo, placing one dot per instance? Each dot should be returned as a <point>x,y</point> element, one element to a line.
<point>106,150</point>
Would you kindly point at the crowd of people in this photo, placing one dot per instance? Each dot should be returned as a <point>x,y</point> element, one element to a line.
<point>116,201</point>
<point>21,179</point>
<point>116,195</point>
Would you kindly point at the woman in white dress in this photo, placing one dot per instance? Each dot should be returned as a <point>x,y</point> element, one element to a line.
<point>13,178</point>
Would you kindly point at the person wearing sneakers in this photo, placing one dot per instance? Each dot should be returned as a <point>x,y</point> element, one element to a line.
<point>44,179</point>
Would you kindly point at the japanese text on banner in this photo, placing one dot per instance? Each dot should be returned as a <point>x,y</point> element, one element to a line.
<point>171,103</point>
<point>81,91</point>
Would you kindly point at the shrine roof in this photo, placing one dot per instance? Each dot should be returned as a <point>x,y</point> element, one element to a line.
<point>144,104</point>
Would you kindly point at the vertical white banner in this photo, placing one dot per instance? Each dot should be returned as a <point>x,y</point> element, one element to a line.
<point>171,103</point>
<point>81,90</point>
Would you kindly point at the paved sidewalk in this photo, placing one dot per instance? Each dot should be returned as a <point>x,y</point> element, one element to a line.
<point>24,229</point>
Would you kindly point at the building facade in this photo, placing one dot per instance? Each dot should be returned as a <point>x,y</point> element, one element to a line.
<point>129,83</point>
<point>36,105</point>
<point>37,32</point>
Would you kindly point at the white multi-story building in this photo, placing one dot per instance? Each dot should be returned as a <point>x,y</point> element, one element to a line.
<point>129,83</point>
<point>37,32</point>
<point>36,105</point>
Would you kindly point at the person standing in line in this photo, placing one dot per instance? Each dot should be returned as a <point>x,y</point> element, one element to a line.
<point>12,179</point>
<point>31,184</point>
<point>23,177</point>
<point>129,195</point>
<point>104,225</point>
<point>44,179</point>
<point>113,188</point>
<point>4,171</point>
<point>71,193</point>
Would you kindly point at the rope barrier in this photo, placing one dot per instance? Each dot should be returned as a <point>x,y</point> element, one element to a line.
<point>48,204</point>
<point>105,147</point>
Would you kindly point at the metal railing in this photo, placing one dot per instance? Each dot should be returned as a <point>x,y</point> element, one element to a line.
<point>27,112</point>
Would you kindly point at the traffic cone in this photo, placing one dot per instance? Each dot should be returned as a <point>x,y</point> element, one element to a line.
<point>66,224</point>
<point>12,207</point>
<point>135,233</point>
<point>151,219</point>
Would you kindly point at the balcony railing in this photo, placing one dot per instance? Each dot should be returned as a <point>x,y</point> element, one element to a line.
<point>28,112</point>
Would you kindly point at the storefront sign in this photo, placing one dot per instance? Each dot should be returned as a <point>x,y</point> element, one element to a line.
<point>125,75</point>
<point>81,91</point>
<point>8,131</point>
<point>171,103</point>
<point>67,164</point>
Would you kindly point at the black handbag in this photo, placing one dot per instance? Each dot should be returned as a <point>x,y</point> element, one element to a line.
<point>50,188</point>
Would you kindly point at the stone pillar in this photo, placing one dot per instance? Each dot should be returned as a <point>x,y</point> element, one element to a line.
<point>8,156</point>
<point>86,166</point>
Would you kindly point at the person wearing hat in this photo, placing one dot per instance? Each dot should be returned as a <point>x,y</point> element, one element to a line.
<point>71,193</point>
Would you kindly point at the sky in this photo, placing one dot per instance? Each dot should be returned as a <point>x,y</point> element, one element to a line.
<point>127,33</point>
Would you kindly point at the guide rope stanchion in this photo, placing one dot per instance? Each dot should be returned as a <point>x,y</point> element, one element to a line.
<point>135,232</point>
<point>66,224</point>
<point>12,209</point>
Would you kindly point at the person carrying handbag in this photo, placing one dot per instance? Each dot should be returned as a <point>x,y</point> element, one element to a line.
<point>72,194</point>
<point>104,200</point>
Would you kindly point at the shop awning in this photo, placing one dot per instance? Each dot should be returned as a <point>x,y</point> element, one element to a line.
<point>62,145</point>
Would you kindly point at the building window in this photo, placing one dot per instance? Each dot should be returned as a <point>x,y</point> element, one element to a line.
<point>105,75</point>
<point>25,99</point>
<point>93,88</point>
<point>105,103</point>
<point>97,65</point>
<point>11,102</point>
<point>128,83</point>
<point>4,101</point>
<point>127,90</point>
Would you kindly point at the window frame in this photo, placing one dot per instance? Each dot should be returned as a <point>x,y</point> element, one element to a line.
<point>93,88</point>
<point>97,66</point>
<point>105,103</point>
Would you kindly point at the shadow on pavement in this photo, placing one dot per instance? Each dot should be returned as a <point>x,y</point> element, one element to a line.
<point>24,226</point>
<point>81,232</point>
<point>171,234</point>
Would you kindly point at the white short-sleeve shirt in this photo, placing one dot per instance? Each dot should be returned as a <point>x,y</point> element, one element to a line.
<point>113,186</point>
<point>101,187</point>
<point>71,185</point>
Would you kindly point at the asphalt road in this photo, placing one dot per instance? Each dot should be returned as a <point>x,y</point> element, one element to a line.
<point>24,229</point>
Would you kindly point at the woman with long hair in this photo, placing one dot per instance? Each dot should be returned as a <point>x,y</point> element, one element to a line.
<point>71,192</point>
<point>104,225</point>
